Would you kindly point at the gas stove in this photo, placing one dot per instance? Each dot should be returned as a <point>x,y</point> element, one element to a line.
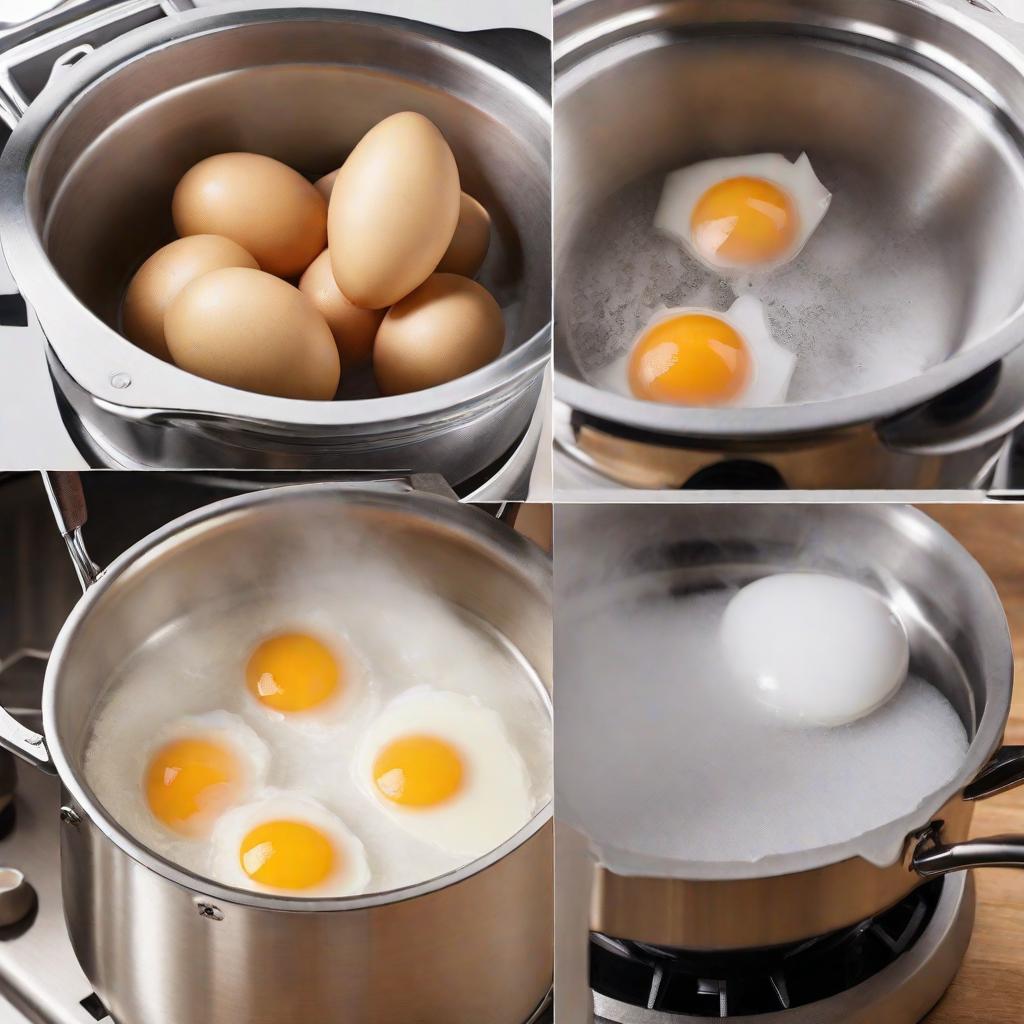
<point>892,968</point>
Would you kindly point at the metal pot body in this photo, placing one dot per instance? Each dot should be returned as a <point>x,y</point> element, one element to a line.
<point>959,642</point>
<point>301,85</point>
<point>832,77</point>
<point>162,945</point>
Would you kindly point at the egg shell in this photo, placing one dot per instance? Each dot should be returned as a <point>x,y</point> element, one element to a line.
<point>162,277</point>
<point>251,330</point>
<point>260,203</point>
<point>393,210</point>
<point>353,328</point>
<point>471,240</point>
<point>446,328</point>
<point>325,185</point>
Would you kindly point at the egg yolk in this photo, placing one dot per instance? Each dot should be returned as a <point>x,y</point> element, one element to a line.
<point>189,781</point>
<point>692,359</point>
<point>418,771</point>
<point>293,672</point>
<point>744,221</point>
<point>287,855</point>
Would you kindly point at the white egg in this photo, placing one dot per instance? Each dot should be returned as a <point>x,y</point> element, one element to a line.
<point>443,768</point>
<point>815,648</point>
<point>288,844</point>
<point>700,376</point>
<point>198,766</point>
<point>743,214</point>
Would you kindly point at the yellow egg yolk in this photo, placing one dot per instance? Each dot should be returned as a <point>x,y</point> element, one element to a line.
<point>287,855</point>
<point>418,771</point>
<point>189,781</point>
<point>690,359</point>
<point>745,222</point>
<point>293,672</point>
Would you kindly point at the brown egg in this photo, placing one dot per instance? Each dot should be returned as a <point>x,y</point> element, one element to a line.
<point>253,331</point>
<point>163,275</point>
<point>262,204</point>
<point>353,328</point>
<point>472,237</point>
<point>445,329</point>
<point>325,184</point>
<point>393,211</point>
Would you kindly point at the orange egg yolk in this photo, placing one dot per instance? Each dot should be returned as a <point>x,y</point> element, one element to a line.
<point>293,672</point>
<point>691,359</point>
<point>287,855</point>
<point>418,771</point>
<point>745,222</point>
<point>190,781</point>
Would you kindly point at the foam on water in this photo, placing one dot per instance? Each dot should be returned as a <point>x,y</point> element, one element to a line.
<point>403,636</point>
<point>660,755</point>
<point>857,307</point>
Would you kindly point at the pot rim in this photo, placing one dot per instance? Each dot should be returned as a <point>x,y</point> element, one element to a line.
<point>532,560</point>
<point>994,638</point>
<point>157,388</point>
<point>576,43</point>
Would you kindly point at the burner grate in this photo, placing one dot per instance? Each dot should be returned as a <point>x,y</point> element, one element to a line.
<point>754,982</point>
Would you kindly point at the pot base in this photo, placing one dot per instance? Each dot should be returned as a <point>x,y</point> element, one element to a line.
<point>900,993</point>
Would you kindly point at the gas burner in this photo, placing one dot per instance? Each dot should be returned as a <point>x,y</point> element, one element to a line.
<point>893,967</point>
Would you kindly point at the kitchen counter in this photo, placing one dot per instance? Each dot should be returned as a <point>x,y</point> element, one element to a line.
<point>989,988</point>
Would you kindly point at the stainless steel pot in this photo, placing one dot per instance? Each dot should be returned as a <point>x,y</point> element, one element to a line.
<point>162,945</point>
<point>959,642</point>
<point>86,180</point>
<point>913,113</point>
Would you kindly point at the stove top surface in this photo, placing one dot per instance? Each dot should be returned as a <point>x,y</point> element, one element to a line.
<point>892,968</point>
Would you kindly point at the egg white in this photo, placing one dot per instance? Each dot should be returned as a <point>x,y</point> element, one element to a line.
<point>351,877</point>
<point>495,800</point>
<point>252,754</point>
<point>684,188</point>
<point>771,365</point>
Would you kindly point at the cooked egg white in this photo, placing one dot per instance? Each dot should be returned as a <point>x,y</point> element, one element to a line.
<point>743,214</point>
<point>442,766</point>
<point>288,844</point>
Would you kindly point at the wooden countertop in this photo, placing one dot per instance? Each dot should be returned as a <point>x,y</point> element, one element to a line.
<point>990,986</point>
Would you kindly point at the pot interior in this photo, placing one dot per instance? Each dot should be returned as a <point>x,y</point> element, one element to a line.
<point>912,264</point>
<point>266,537</point>
<point>955,623</point>
<point>301,89</point>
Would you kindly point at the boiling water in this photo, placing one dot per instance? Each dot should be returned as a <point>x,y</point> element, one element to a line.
<point>855,308</point>
<point>401,634</point>
<point>659,755</point>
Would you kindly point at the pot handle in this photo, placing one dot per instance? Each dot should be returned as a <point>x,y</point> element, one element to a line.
<point>67,499</point>
<point>62,33</point>
<point>932,858</point>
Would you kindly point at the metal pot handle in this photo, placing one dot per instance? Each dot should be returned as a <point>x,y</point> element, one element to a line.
<point>932,858</point>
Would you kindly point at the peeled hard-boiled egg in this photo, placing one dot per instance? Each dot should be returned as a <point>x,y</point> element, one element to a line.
<point>748,213</point>
<point>393,211</point>
<point>159,280</point>
<point>288,844</point>
<point>297,675</point>
<point>353,328</point>
<point>817,649</point>
<point>446,328</point>
<point>471,240</point>
<point>200,766</point>
<point>270,210</point>
<point>700,357</point>
<point>253,331</point>
<point>443,768</point>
